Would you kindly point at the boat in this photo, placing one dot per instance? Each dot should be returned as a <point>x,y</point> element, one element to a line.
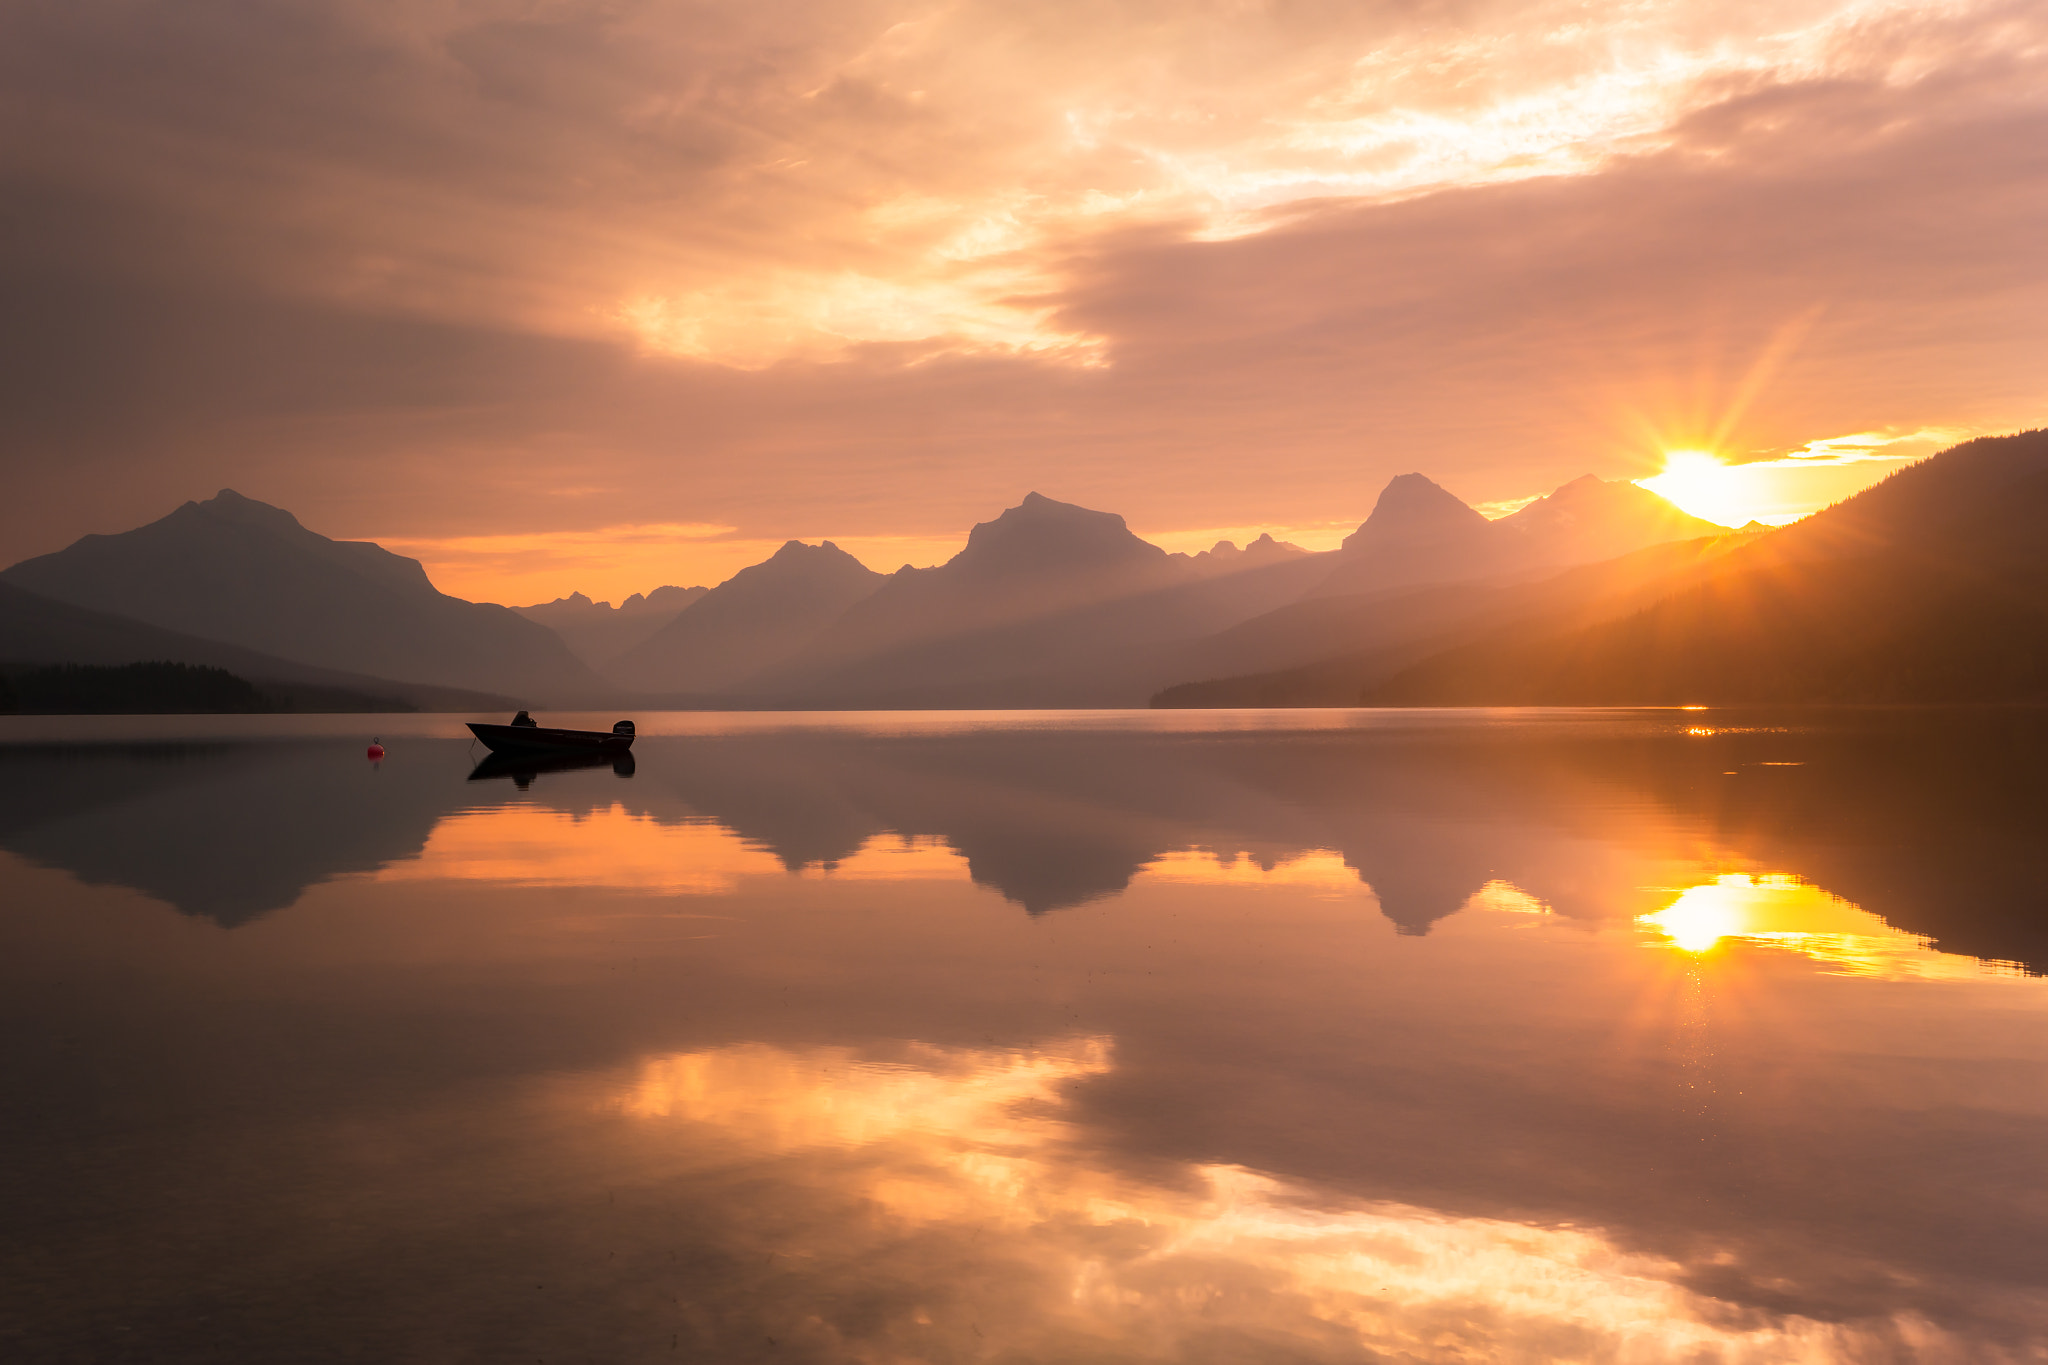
<point>527,736</point>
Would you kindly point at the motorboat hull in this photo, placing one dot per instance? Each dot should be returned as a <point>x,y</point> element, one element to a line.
<point>539,739</point>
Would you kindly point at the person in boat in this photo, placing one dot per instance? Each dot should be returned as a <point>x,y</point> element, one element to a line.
<point>523,719</point>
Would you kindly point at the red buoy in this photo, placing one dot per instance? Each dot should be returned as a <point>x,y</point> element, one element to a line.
<point>376,749</point>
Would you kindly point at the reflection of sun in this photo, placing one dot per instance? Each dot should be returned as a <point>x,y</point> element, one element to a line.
<point>1695,922</point>
<point>1789,913</point>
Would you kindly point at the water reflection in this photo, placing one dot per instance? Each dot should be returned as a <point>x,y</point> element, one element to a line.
<point>952,1146</point>
<point>523,768</point>
<point>1516,1043</point>
<point>1933,833</point>
<point>1785,912</point>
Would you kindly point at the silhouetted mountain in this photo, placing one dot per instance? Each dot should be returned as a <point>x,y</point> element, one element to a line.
<point>1591,519</point>
<point>1423,573</point>
<point>246,573</point>
<point>1048,605</point>
<point>39,630</point>
<point>754,620</point>
<point>1037,559</point>
<point>598,632</point>
<point>1225,557</point>
<point>1419,533</point>
<point>1930,586</point>
<point>1388,631</point>
<point>1053,605</point>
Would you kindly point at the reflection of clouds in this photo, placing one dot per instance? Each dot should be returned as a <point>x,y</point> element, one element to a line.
<point>1789,913</point>
<point>1318,868</point>
<point>613,849</point>
<point>948,1142</point>
<point>607,849</point>
<point>1506,898</point>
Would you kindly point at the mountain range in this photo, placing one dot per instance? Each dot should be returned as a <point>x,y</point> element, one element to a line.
<point>240,572</point>
<point>598,632</point>
<point>1926,586</point>
<point>1931,586</point>
<point>41,630</point>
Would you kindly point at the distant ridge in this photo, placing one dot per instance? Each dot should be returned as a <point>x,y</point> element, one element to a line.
<point>1048,604</point>
<point>1054,604</point>
<point>1420,533</point>
<point>598,632</point>
<point>1378,634</point>
<point>1931,586</point>
<point>245,573</point>
<point>753,620</point>
<point>1037,559</point>
<point>36,630</point>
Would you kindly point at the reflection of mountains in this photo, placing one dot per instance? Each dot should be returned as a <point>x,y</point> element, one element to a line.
<point>1057,820</point>
<point>227,831</point>
<point>1929,824</point>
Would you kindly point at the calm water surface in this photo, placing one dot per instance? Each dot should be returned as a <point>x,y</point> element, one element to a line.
<point>1264,1037</point>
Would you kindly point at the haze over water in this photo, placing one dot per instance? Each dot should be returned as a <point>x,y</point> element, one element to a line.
<point>1181,1036</point>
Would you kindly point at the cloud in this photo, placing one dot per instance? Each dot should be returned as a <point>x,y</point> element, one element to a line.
<point>876,269</point>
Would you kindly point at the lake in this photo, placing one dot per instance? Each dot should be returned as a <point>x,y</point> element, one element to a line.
<point>1295,1036</point>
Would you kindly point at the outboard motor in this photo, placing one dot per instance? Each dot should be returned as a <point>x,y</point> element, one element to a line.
<point>624,727</point>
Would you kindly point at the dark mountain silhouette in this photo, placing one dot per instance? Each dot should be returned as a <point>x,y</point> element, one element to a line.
<point>1225,556</point>
<point>246,573</point>
<point>754,620</point>
<point>1054,605</point>
<point>39,630</point>
<point>1036,560</point>
<point>1426,572</point>
<point>1591,519</point>
<point>1931,586</point>
<point>1419,533</point>
<point>1385,632</point>
<point>598,632</point>
<point>1048,605</point>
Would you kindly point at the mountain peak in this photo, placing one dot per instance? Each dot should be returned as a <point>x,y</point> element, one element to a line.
<point>229,506</point>
<point>795,554</point>
<point>1040,534</point>
<point>1413,506</point>
<point>1612,510</point>
<point>247,574</point>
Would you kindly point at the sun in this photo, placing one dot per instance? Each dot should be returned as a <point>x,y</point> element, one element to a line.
<point>1700,482</point>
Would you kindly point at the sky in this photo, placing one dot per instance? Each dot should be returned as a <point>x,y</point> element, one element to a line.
<point>595,296</point>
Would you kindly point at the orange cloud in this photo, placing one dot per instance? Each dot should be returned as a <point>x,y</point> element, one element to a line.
<point>870,272</point>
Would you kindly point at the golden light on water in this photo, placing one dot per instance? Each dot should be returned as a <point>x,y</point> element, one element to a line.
<point>938,1146</point>
<point>1786,912</point>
